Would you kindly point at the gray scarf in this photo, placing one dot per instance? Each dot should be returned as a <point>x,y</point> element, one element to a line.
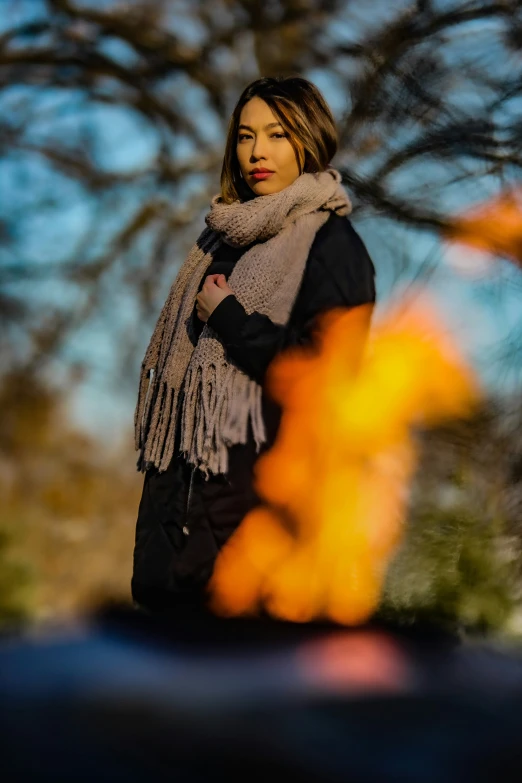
<point>218,397</point>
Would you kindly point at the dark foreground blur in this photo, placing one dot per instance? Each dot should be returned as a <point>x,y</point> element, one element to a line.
<point>192,697</point>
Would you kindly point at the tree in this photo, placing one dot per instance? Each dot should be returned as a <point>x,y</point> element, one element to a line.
<point>428,113</point>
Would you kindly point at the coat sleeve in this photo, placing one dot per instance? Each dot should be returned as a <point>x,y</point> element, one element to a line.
<point>340,274</point>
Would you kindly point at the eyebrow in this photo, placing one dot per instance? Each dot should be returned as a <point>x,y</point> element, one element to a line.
<point>270,125</point>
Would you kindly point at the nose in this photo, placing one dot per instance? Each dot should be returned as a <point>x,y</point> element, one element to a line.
<point>258,150</point>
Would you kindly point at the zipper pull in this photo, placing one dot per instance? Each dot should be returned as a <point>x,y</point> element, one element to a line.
<point>185,528</point>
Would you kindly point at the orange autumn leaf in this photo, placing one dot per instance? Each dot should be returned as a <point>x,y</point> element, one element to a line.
<point>495,226</point>
<point>335,483</point>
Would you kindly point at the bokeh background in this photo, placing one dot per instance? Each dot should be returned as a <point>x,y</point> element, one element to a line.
<point>113,117</point>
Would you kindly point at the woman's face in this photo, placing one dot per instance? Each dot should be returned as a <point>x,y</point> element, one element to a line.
<point>263,143</point>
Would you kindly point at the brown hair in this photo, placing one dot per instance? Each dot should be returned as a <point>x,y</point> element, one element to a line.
<point>305,116</point>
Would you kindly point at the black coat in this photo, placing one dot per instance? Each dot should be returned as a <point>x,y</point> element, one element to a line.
<point>183,519</point>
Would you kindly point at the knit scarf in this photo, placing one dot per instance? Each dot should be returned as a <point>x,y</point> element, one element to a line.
<point>218,397</point>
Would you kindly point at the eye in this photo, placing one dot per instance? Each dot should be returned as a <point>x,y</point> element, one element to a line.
<point>274,136</point>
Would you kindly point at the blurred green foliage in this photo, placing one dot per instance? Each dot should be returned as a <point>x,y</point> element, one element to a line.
<point>455,569</point>
<point>16,585</point>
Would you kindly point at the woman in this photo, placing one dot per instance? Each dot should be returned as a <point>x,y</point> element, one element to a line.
<point>278,249</point>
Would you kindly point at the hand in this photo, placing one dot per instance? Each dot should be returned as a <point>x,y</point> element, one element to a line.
<point>214,290</point>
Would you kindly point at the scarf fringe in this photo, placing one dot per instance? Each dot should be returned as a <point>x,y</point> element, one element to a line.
<point>218,399</point>
<point>158,447</point>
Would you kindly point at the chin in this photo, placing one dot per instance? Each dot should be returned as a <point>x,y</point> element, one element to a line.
<point>263,188</point>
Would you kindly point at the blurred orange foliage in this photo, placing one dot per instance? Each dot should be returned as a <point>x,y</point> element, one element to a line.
<point>495,226</point>
<point>69,502</point>
<point>335,483</point>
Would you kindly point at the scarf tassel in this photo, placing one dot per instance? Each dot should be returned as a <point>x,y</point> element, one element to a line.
<point>218,400</point>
